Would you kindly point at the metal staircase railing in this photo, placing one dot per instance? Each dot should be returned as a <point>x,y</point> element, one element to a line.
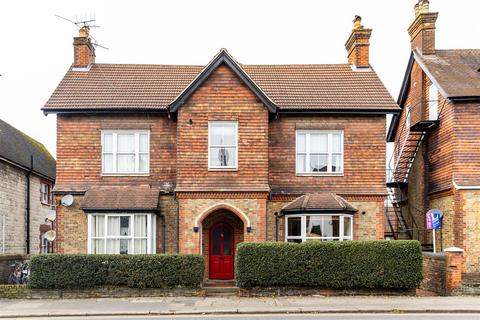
<point>413,132</point>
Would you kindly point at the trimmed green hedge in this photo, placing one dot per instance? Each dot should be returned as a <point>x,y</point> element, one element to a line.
<point>56,271</point>
<point>336,265</point>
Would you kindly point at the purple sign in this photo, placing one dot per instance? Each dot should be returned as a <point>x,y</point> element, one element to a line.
<point>434,219</point>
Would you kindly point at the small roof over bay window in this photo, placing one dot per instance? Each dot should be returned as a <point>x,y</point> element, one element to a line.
<point>121,198</point>
<point>320,202</point>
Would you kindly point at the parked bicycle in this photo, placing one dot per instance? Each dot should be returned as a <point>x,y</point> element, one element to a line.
<point>19,273</point>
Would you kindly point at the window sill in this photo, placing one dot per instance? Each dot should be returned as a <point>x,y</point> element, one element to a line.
<point>319,174</point>
<point>125,174</point>
<point>45,203</point>
<point>223,169</point>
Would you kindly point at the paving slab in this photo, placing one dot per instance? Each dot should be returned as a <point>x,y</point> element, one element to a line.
<point>236,305</point>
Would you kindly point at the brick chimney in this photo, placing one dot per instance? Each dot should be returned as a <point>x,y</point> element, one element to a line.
<point>358,45</point>
<point>84,51</point>
<point>422,30</point>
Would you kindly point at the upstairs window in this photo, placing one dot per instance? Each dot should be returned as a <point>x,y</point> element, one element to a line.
<point>222,144</point>
<point>408,119</point>
<point>433,103</point>
<point>320,152</point>
<point>125,152</point>
<point>45,192</point>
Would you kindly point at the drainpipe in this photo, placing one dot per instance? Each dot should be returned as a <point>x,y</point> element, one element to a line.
<point>3,233</point>
<point>276,226</point>
<point>164,234</point>
<point>178,221</point>
<point>29,174</point>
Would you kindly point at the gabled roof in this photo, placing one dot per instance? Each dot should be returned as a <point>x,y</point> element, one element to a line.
<point>153,88</point>
<point>221,58</point>
<point>18,148</point>
<point>455,73</point>
<point>319,202</point>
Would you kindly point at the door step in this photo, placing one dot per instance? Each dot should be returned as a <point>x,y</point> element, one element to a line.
<point>220,288</point>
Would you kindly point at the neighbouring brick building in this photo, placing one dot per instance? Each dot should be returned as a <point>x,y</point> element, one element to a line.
<point>27,176</point>
<point>437,147</point>
<point>195,159</point>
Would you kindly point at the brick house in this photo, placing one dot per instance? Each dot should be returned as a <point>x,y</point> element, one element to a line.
<point>27,176</point>
<point>436,157</point>
<point>195,159</point>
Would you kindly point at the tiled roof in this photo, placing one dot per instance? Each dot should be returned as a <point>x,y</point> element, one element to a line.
<point>455,71</point>
<point>17,147</point>
<point>154,87</point>
<point>121,198</point>
<point>320,201</point>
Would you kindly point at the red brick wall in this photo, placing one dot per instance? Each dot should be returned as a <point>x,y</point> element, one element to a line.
<point>222,97</point>
<point>79,149</point>
<point>364,154</point>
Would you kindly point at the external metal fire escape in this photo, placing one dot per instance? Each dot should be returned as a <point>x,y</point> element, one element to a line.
<point>401,224</point>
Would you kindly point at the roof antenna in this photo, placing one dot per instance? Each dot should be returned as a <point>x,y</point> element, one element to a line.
<point>85,24</point>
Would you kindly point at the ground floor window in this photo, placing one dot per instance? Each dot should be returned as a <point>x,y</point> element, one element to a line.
<point>304,227</point>
<point>118,233</point>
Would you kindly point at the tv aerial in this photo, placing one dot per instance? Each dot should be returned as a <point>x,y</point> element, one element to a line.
<point>85,25</point>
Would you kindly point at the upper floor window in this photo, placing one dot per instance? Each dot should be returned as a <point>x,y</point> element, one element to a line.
<point>45,192</point>
<point>222,144</point>
<point>319,151</point>
<point>433,103</point>
<point>125,152</point>
<point>408,119</point>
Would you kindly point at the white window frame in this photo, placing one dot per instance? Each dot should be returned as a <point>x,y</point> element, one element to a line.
<point>303,235</point>
<point>44,194</point>
<point>433,102</point>
<point>330,152</point>
<point>210,146</point>
<point>408,119</point>
<point>137,152</point>
<point>151,231</point>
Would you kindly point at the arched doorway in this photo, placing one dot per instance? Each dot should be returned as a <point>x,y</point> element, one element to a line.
<point>222,231</point>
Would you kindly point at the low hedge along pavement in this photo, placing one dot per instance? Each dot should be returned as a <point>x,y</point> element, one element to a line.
<point>56,271</point>
<point>336,265</point>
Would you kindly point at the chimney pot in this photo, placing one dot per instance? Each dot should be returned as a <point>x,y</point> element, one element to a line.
<point>422,30</point>
<point>83,49</point>
<point>358,45</point>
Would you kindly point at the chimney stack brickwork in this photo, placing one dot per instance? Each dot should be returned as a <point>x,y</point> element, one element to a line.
<point>84,51</point>
<point>358,45</point>
<point>422,30</point>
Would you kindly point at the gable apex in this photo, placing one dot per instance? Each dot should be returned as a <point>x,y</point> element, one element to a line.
<point>222,57</point>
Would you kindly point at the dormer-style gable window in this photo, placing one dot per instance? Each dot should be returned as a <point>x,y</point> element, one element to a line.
<point>222,145</point>
<point>125,152</point>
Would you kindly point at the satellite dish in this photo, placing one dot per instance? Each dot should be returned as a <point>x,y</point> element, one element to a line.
<point>51,215</point>
<point>67,200</point>
<point>50,235</point>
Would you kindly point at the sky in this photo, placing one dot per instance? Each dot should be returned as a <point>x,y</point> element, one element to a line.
<point>36,48</point>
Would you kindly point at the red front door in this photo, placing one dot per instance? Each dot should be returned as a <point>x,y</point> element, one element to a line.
<point>221,252</point>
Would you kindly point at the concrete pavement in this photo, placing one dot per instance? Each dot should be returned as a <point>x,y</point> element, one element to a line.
<point>235,305</point>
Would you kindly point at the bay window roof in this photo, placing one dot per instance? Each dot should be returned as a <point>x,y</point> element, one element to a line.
<point>320,202</point>
<point>141,198</point>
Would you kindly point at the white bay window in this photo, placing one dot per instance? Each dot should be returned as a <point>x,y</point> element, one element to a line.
<point>222,144</point>
<point>118,233</point>
<point>125,152</point>
<point>304,227</point>
<point>319,152</point>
